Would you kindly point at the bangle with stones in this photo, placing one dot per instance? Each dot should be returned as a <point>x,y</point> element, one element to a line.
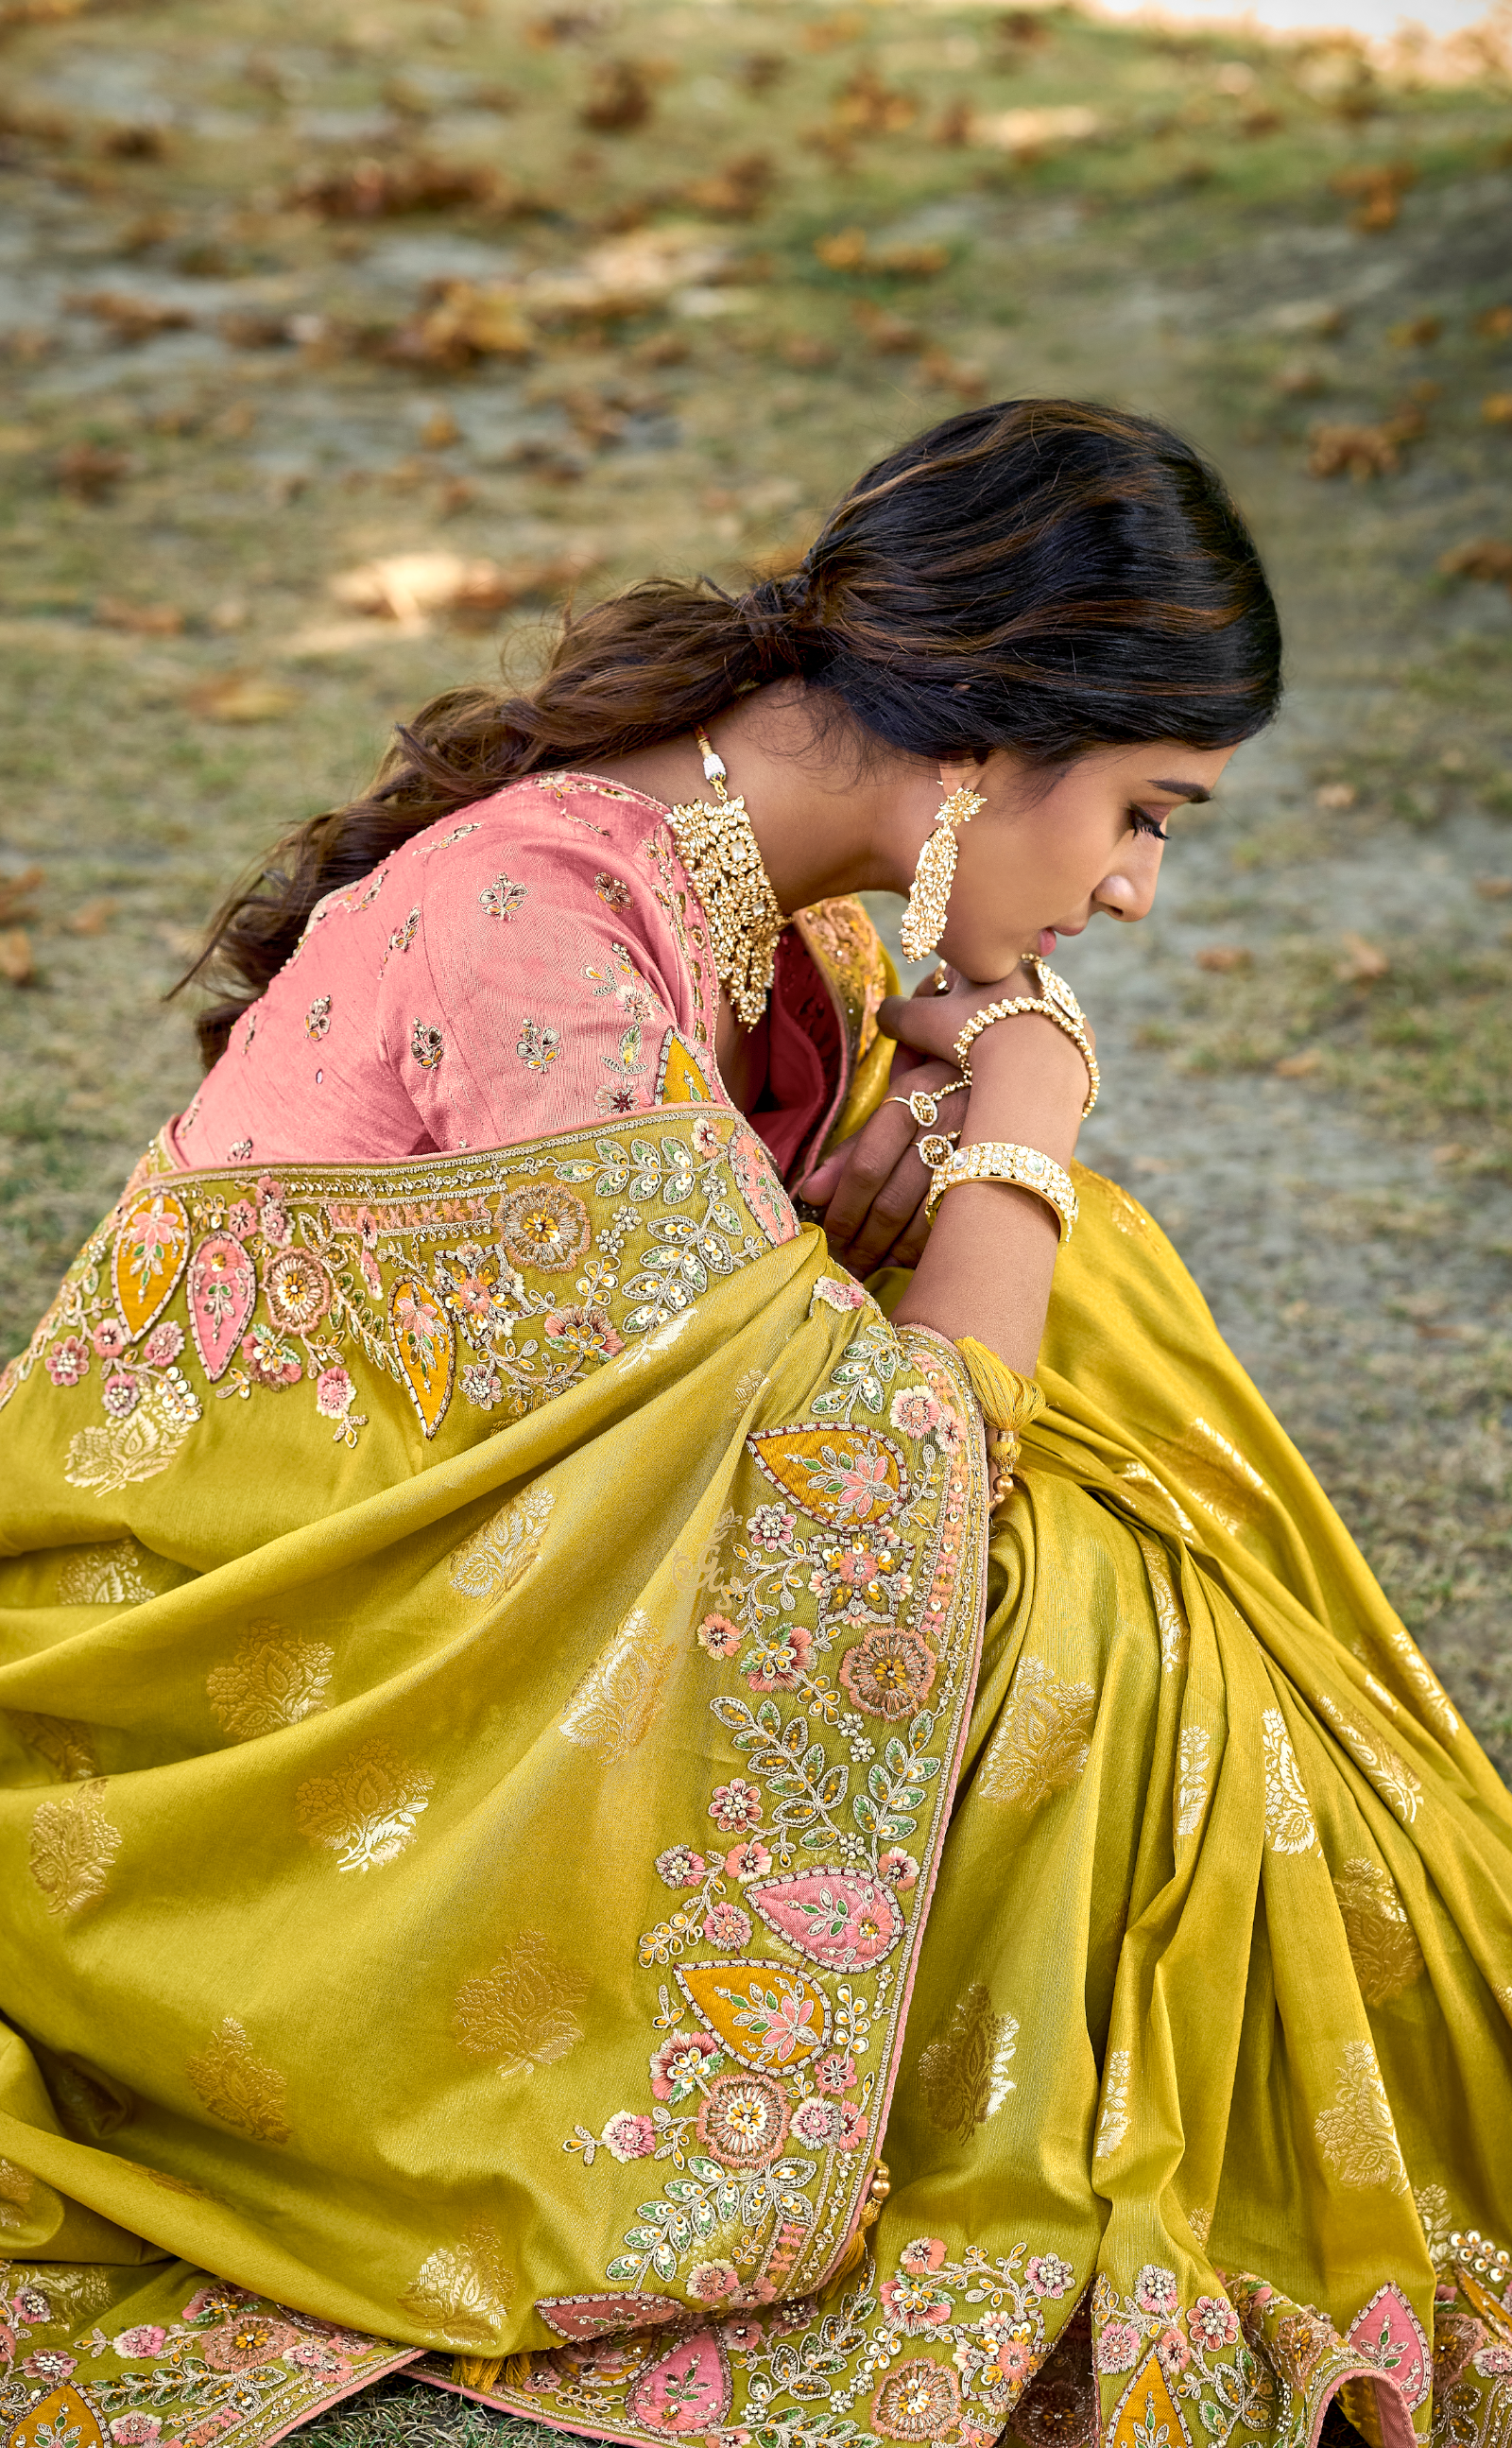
<point>1055,1001</point>
<point>1004,1160</point>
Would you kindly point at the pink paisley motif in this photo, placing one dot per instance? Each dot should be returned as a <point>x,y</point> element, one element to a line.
<point>578,2317</point>
<point>222,1289</point>
<point>1388,2334</point>
<point>687,2391</point>
<point>845,1919</point>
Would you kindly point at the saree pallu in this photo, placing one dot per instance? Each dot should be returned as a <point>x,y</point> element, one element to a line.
<point>528,1767</point>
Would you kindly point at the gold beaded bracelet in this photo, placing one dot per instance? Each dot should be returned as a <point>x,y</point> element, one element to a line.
<point>1000,1160</point>
<point>1055,1001</point>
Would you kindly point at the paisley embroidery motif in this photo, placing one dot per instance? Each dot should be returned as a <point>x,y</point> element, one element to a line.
<point>579,2317</point>
<point>843,1476</point>
<point>274,1679</point>
<point>148,1258</point>
<point>502,1550</point>
<point>761,2013</point>
<point>426,1347</point>
<point>1148,2412</point>
<point>1388,2333</point>
<point>73,1845</point>
<point>127,1451</point>
<point>365,1811</point>
<point>523,2012</point>
<point>108,1574</point>
<point>845,1919</point>
<point>1042,1740</point>
<point>962,2075</point>
<point>687,2391</point>
<point>61,2419</point>
<point>237,2087</point>
<point>680,1075</point>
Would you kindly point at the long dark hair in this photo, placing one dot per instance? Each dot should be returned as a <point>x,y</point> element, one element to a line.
<point>1045,574</point>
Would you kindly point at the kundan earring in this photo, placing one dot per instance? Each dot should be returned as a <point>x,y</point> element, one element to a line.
<point>928,898</point>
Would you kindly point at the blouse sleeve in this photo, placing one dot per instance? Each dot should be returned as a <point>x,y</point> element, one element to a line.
<point>532,982</point>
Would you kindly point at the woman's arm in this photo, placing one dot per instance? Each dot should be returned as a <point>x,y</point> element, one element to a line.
<point>988,1268</point>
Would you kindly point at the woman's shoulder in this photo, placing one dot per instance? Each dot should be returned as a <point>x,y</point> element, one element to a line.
<point>570,833</point>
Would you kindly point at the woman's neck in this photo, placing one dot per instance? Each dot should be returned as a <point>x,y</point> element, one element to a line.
<point>822,827</point>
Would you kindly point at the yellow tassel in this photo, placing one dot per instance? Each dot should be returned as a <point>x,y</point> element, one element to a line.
<point>478,2371</point>
<point>1008,1400</point>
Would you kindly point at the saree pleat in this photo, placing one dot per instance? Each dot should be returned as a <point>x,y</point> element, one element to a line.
<point>500,1887</point>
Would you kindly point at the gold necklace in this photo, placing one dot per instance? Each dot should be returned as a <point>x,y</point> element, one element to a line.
<point>724,867</point>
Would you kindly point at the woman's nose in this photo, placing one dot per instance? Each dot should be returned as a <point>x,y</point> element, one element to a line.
<point>1129,895</point>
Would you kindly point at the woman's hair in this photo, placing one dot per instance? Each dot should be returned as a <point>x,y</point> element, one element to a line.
<point>1044,575</point>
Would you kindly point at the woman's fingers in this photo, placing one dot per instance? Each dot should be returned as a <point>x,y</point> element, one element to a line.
<point>866,1165</point>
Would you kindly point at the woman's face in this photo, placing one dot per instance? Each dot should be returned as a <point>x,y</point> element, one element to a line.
<point>1037,863</point>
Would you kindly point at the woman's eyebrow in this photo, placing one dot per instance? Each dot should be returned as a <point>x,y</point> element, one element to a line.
<point>1193,791</point>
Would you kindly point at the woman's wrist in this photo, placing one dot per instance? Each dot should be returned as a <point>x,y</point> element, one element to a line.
<point>1032,1093</point>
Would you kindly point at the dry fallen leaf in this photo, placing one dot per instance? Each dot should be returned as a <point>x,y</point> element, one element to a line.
<point>954,374</point>
<point>16,893</point>
<point>15,956</point>
<point>1495,323</point>
<point>1363,450</point>
<point>843,250</point>
<point>1336,795</point>
<point>1363,963</point>
<point>890,335</point>
<point>1419,332</point>
<point>409,586</point>
<point>91,918</point>
<point>241,697</point>
<point>88,471</point>
<point>618,98</point>
<point>142,620</point>
<point>1224,958</point>
<point>737,193</point>
<point>1298,1066</point>
<point>371,190</point>
<point>129,317</point>
<point>1497,408</point>
<point>1494,887</point>
<point>1380,187</point>
<point>1299,379</point>
<point>1487,559</point>
<point>802,350</point>
<point>865,106</point>
<point>440,431</point>
<point>1037,130</point>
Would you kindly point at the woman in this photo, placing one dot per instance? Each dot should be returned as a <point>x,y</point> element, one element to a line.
<point>543,1736</point>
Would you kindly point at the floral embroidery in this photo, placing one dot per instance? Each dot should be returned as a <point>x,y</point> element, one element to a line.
<point>545,1227</point>
<point>523,2012</point>
<point>497,1555</point>
<point>964,2074</point>
<point>502,898</point>
<point>458,833</point>
<point>236,2086</point>
<point>743,2121</point>
<point>1114,2122</point>
<point>297,1290</point>
<point>318,1019</point>
<point>426,1044</point>
<point>610,890</point>
<point>239,1151</point>
<point>403,935</point>
<point>888,1674</point>
<point>538,1047</point>
<point>1194,1755</point>
<point>837,1295</point>
<point>918,2401</point>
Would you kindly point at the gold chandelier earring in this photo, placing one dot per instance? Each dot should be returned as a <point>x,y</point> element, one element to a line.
<point>930,895</point>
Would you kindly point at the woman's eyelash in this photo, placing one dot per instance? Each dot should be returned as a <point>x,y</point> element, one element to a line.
<point>1144,823</point>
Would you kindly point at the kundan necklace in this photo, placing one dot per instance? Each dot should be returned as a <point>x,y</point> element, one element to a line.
<point>724,868</point>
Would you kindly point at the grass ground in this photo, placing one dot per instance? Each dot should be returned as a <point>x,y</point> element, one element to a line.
<point>287,289</point>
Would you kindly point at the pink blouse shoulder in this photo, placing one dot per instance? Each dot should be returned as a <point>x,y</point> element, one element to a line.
<point>524,967</point>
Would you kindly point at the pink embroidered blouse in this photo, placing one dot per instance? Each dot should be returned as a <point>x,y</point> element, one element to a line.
<point>530,966</point>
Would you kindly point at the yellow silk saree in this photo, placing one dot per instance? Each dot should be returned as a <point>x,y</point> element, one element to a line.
<point>548,1837</point>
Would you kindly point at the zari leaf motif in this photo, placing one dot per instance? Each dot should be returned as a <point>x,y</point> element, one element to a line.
<point>619,1699</point>
<point>1114,2122</point>
<point>1043,1739</point>
<point>502,1550</point>
<point>1432,1697</point>
<point>108,1574</point>
<point>1168,1614</point>
<point>237,2087</point>
<point>275,1678</point>
<point>73,1845</point>
<point>1289,1826</point>
<point>1399,1787</point>
<point>523,2012</point>
<point>842,1476</point>
<point>65,1744</point>
<point>1215,1471</point>
<point>1383,1946</point>
<point>122,1453</point>
<point>1356,2134</point>
<point>365,1811</point>
<point>964,2074</point>
<point>1193,1754</point>
<point>464,2291</point>
<point>150,1250</point>
<point>16,2189</point>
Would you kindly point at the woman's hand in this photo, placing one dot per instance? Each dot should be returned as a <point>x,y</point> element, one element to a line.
<point>873,1188</point>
